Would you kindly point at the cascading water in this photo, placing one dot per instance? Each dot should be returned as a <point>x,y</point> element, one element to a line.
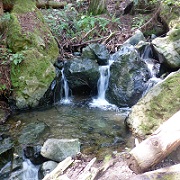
<point>66,99</point>
<point>30,171</point>
<point>102,85</point>
<point>147,56</point>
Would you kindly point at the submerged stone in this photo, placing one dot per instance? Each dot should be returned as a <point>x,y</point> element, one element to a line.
<point>31,133</point>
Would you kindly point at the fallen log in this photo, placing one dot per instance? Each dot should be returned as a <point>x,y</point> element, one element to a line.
<point>156,147</point>
<point>39,4</point>
<point>171,172</point>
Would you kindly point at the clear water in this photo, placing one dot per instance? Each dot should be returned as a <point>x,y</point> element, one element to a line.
<point>100,132</point>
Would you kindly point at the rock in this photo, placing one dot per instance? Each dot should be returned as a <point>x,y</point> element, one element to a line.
<point>34,50</point>
<point>33,154</point>
<point>59,149</point>
<point>82,75</point>
<point>46,168</point>
<point>6,150</point>
<point>169,48</point>
<point>129,75</point>
<point>31,133</point>
<point>96,52</point>
<point>136,38</point>
<point>159,104</point>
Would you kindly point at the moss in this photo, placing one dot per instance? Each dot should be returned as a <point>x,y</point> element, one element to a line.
<point>24,6</point>
<point>167,102</point>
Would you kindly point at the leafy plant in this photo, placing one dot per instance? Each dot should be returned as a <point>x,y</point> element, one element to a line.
<point>139,21</point>
<point>17,58</point>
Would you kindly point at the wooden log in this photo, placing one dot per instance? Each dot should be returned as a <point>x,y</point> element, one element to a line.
<point>59,170</point>
<point>171,172</point>
<point>156,147</point>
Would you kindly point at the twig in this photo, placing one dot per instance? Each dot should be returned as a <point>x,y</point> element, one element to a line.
<point>150,20</point>
<point>88,33</point>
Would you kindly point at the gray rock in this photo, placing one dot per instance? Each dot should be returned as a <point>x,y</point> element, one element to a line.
<point>129,75</point>
<point>96,52</point>
<point>169,48</point>
<point>81,74</point>
<point>46,168</point>
<point>159,104</point>
<point>59,149</point>
<point>136,38</point>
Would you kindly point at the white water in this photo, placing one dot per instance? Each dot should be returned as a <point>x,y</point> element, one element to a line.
<point>30,171</point>
<point>102,84</point>
<point>66,99</point>
<point>147,57</point>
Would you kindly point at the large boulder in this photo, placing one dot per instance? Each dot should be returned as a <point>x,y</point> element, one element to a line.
<point>59,149</point>
<point>169,47</point>
<point>33,53</point>
<point>129,75</point>
<point>159,104</point>
<point>82,75</point>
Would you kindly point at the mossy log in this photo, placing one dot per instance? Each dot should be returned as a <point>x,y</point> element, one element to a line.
<point>171,172</point>
<point>156,147</point>
<point>48,4</point>
<point>51,4</point>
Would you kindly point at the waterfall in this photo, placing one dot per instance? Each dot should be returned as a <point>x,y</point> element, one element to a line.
<point>66,99</point>
<point>147,56</point>
<point>102,85</point>
<point>30,171</point>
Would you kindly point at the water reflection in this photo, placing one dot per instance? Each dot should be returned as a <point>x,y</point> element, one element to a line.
<point>99,131</point>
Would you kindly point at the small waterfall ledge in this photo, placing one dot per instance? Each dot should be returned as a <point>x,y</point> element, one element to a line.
<point>102,85</point>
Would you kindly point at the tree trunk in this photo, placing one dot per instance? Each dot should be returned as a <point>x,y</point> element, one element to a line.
<point>156,147</point>
<point>1,8</point>
<point>97,7</point>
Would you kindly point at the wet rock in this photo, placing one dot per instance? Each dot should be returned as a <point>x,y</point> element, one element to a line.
<point>6,149</point>
<point>33,154</point>
<point>159,104</point>
<point>82,75</point>
<point>129,75</point>
<point>59,149</point>
<point>46,168</point>
<point>97,52</point>
<point>169,48</point>
<point>32,133</point>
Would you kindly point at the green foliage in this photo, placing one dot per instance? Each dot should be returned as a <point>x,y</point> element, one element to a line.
<point>4,20</point>
<point>138,21</point>
<point>17,58</point>
<point>72,24</point>
<point>3,87</point>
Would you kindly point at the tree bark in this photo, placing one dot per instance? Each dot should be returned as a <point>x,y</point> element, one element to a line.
<point>156,147</point>
<point>1,8</point>
<point>97,7</point>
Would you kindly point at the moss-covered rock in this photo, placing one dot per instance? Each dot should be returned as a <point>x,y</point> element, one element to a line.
<point>30,37</point>
<point>162,101</point>
<point>169,46</point>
